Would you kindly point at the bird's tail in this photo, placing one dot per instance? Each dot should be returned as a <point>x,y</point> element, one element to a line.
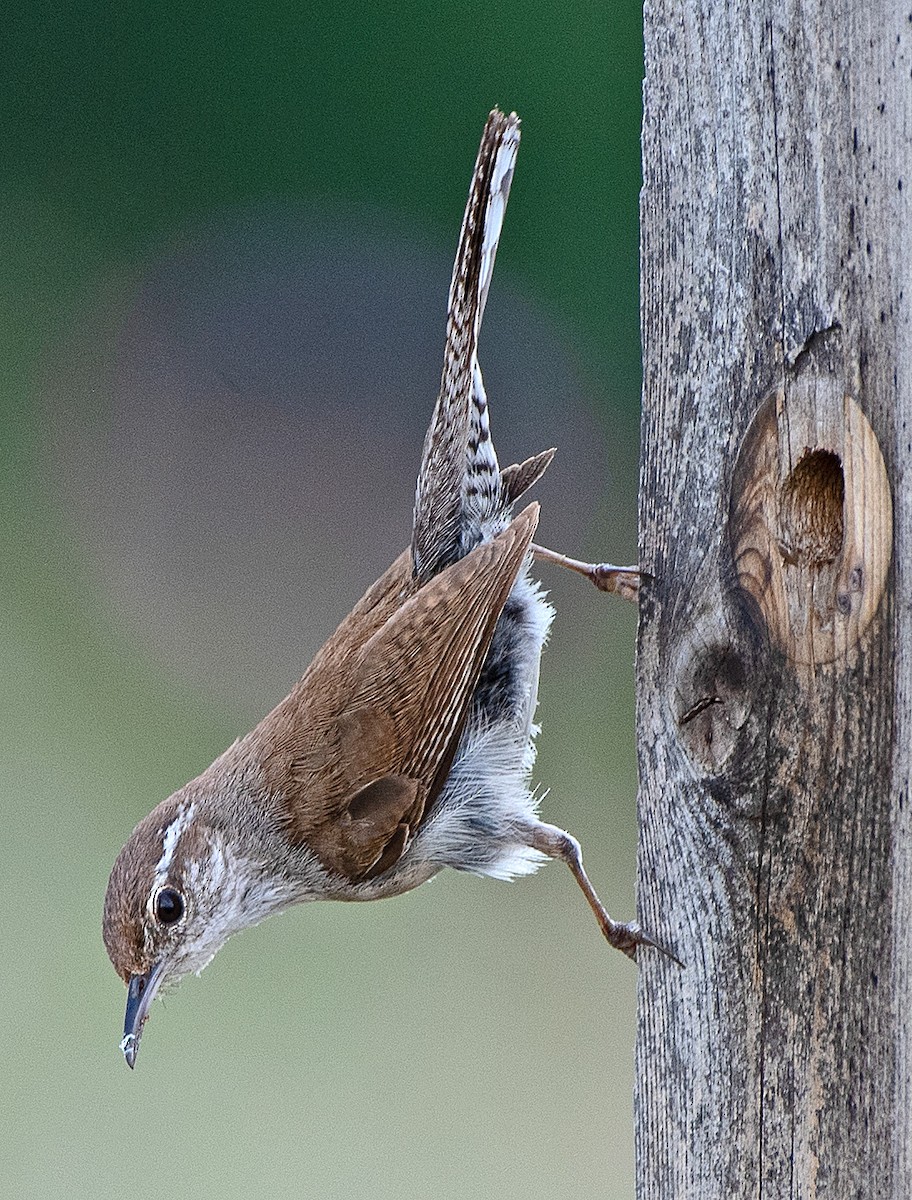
<point>461,496</point>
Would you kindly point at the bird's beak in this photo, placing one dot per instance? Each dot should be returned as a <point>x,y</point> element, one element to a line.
<point>140,993</point>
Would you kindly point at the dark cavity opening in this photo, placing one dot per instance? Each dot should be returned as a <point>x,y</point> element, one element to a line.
<point>812,510</point>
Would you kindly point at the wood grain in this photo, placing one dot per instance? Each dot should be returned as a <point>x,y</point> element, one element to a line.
<point>775,648</point>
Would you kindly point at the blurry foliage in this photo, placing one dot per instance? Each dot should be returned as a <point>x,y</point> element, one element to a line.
<point>472,1039</point>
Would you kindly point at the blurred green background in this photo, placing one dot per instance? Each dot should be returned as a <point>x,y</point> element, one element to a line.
<point>228,235</point>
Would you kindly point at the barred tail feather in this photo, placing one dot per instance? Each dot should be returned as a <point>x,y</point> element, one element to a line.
<point>458,499</point>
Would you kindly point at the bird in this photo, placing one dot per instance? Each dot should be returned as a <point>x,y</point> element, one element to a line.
<point>408,744</point>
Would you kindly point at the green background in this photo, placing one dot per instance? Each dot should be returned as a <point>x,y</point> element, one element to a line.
<point>472,1039</point>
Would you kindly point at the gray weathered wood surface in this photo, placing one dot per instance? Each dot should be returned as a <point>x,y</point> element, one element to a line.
<point>775,649</point>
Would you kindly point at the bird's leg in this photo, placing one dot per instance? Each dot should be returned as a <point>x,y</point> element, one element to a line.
<point>621,581</point>
<point>556,843</point>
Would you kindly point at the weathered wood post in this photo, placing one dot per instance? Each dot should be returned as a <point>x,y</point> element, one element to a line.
<point>775,649</point>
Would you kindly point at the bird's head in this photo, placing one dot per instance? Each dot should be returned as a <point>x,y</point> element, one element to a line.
<point>179,888</point>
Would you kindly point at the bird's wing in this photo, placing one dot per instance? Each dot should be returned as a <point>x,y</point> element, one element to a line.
<point>362,767</point>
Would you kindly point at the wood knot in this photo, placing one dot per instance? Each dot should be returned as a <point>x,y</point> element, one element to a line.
<point>811,520</point>
<point>712,700</point>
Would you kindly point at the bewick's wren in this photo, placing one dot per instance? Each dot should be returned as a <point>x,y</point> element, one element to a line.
<point>408,743</point>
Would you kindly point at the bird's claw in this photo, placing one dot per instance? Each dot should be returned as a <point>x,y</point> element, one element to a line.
<point>630,937</point>
<point>617,581</point>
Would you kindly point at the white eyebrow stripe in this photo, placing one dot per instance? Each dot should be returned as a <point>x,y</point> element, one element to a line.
<point>172,836</point>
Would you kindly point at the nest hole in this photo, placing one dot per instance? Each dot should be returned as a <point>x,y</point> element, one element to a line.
<point>812,510</point>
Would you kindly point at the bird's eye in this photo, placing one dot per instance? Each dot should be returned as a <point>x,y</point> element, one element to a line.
<point>169,906</point>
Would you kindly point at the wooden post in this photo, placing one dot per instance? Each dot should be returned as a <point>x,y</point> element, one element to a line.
<point>775,647</point>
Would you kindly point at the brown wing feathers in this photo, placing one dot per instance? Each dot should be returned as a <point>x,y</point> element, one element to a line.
<point>424,664</point>
<point>347,783</point>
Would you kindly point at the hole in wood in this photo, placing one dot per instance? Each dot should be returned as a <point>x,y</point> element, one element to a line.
<point>811,530</point>
<point>812,510</point>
